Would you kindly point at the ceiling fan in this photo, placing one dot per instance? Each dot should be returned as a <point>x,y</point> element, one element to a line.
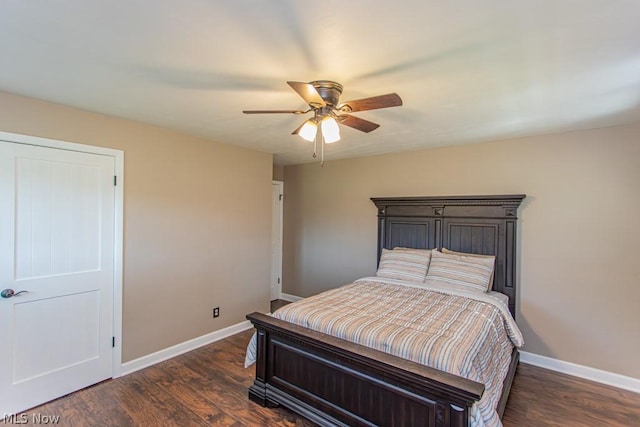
<point>323,99</point>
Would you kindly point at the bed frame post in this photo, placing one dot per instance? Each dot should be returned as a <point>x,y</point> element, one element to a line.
<point>258,390</point>
<point>381,238</point>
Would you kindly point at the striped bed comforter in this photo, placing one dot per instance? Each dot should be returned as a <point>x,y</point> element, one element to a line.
<point>465,333</point>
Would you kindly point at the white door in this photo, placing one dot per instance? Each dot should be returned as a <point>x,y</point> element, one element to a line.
<point>56,243</point>
<point>276,240</point>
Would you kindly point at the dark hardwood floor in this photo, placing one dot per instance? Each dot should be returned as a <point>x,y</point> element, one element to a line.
<point>540,397</point>
<point>276,304</point>
<point>208,386</point>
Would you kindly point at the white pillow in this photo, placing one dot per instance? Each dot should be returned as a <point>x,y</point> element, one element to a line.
<point>469,273</point>
<point>447,251</point>
<point>404,264</point>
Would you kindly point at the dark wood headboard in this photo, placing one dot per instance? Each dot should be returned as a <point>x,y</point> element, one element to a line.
<point>484,225</point>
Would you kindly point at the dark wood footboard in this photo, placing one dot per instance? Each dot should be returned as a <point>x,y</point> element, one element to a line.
<point>335,382</point>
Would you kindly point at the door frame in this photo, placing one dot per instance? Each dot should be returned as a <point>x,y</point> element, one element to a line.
<point>280,185</point>
<point>118,216</point>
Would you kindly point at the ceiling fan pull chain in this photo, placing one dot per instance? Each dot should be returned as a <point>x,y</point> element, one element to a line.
<point>315,144</point>
<point>322,153</point>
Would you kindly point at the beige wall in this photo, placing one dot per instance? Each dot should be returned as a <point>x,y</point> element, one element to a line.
<point>579,275</point>
<point>196,214</point>
<point>278,173</point>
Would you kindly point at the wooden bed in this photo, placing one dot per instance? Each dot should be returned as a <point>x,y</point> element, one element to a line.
<point>294,362</point>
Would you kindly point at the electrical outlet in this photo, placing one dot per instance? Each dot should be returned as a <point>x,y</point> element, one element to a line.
<point>216,312</point>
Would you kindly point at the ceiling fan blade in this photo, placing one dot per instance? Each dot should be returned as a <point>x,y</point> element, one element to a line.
<point>357,123</point>
<point>373,103</point>
<point>308,93</point>
<point>297,131</point>
<point>273,111</point>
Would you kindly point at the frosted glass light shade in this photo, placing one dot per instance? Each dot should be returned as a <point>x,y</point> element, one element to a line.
<point>330,130</point>
<point>308,130</point>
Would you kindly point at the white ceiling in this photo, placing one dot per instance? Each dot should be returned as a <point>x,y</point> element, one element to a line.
<point>467,71</point>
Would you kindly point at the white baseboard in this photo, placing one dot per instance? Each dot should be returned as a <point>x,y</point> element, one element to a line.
<point>178,349</point>
<point>597,375</point>
<point>290,298</point>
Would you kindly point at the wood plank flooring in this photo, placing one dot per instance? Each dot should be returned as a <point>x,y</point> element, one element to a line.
<point>540,397</point>
<point>208,386</point>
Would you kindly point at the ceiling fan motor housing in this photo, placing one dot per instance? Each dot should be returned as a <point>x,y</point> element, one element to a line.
<point>328,90</point>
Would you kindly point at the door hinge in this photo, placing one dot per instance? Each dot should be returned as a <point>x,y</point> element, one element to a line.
<point>278,280</point>
<point>115,180</point>
<point>113,342</point>
<point>281,197</point>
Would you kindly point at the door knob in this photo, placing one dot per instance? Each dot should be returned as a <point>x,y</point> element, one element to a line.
<point>8,293</point>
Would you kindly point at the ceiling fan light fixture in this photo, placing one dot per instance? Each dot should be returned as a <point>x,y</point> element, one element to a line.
<point>308,130</point>
<point>330,129</point>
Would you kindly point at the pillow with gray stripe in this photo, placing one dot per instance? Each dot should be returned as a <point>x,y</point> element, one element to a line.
<point>470,273</point>
<point>404,264</point>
